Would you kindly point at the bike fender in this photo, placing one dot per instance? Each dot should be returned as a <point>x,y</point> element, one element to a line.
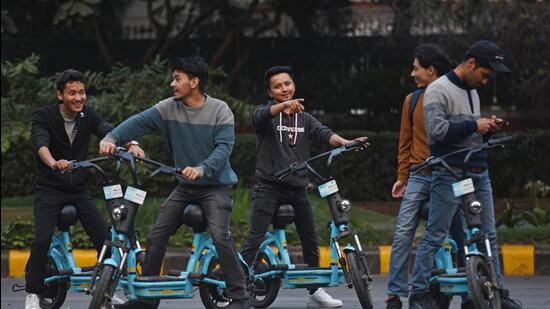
<point>349,248</point>
<point>58,259</point>
<point>205,261</point>
<point>271,255</point>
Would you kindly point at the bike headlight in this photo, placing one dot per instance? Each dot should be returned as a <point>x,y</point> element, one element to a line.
<point>345,205</point>
<point>475,207</point>
<point>119,213</point>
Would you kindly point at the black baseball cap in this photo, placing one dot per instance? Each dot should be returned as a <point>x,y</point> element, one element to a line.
<point>489,52</point>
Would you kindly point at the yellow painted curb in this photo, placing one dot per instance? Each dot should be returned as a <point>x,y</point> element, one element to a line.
<point>518,260</point>
<point>18,260</point>
<point>324,256</point>
<point>385,252</point>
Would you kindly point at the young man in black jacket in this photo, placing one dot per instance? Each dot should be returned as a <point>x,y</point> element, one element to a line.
<point>61,133</point>
<point>283,133</point>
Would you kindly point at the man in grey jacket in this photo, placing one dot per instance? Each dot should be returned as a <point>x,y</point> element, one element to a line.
<point>452,120</point>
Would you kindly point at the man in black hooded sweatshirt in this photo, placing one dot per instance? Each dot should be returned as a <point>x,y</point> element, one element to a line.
<point>283,133</point>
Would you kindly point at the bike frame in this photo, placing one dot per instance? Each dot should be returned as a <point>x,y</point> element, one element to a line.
<point>295,276</point>
<point>450,282</point>
<point>124,253</point>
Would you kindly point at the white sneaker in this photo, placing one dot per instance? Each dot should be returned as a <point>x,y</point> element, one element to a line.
<point>321,299</point>
<point>32,301</point>
<point>117,300</point>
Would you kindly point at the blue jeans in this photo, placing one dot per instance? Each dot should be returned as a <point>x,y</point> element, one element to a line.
<point>416,197</point>
<point>442,209</point>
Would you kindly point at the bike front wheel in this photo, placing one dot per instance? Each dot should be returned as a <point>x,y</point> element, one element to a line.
<point>265,290</point>
<point>101,295</point>
<point>359,278</point>
<point>54,293</point>
<point>442,301</point>
<point>212,296</point>
<point>483,293</point>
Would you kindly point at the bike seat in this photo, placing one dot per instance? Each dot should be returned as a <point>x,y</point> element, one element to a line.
<point>193,216</point>
<point>283,216</point>
<point>67,217</point>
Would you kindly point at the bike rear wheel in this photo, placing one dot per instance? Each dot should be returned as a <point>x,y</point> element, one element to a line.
<point>264,291</point>
<point>483,293</point>
<point>54,292</point>
<point>359,278</point>
<point>102,293</point>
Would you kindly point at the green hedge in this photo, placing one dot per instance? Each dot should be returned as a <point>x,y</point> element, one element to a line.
<point>361,176</point>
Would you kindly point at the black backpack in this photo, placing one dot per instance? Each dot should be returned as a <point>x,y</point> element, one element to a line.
<point>414,100</point>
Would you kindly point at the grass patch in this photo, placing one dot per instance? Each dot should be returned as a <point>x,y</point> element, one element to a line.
<point>17,201</point>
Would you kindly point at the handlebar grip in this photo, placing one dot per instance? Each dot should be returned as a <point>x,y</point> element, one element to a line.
<point>355,144</point>
<point>502,140</point>
<point>282,174</point>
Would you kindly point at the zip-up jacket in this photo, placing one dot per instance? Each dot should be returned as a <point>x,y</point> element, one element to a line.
<point>274,138</point>
<point>48,129</point>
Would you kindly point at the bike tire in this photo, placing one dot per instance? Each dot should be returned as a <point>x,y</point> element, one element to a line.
<point>479,274</point>
<point>264,292</point>
<point>210,295</point>
<point>100,295</point>
<point>54,292</point>
<point>359,279</point>
<point>441,300</point>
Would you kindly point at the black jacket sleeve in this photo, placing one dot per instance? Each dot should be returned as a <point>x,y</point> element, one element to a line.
<point>100,127</point>
<point>40,133</point>
<point>262,117</point>
<point>318,131</point>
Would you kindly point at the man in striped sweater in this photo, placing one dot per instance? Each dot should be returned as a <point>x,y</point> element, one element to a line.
<point>200,134</point>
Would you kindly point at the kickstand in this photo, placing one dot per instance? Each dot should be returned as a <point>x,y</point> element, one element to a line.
<point>17,288</point>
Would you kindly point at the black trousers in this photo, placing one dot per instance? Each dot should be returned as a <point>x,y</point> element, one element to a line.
<point>47,207</point>
<point>265,200</point>
<point>216,203</point>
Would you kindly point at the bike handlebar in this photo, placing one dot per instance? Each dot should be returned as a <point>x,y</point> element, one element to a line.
<point>298,166</point>
<point>122,155</point>
<point>433,161</point>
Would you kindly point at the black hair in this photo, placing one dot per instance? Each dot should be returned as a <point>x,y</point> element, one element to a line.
<point>67,76</point>
<point>433,55</point>
<point>278,69</point>
<point>193,66</point>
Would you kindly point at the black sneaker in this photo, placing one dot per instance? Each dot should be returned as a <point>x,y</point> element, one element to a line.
<point>507,302</point>
<point>421,301</point>
<point>393,302</point>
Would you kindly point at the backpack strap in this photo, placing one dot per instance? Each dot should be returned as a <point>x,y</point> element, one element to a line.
<point>414,100</point>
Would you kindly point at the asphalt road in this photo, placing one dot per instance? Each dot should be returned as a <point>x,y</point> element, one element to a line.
<point>533,292</point>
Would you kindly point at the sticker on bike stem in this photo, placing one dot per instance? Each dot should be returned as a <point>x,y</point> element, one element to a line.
<point>463,187</point>
<point>111,192</point>
<point>328,188</point>
<point>135,195</point>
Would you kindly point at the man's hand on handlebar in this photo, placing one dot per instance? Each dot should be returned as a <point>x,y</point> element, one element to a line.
<point>61,165</point>
<point>360,141</point>
<point>136,151</point>
<point>191,173</point>
<point>106,148</point>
